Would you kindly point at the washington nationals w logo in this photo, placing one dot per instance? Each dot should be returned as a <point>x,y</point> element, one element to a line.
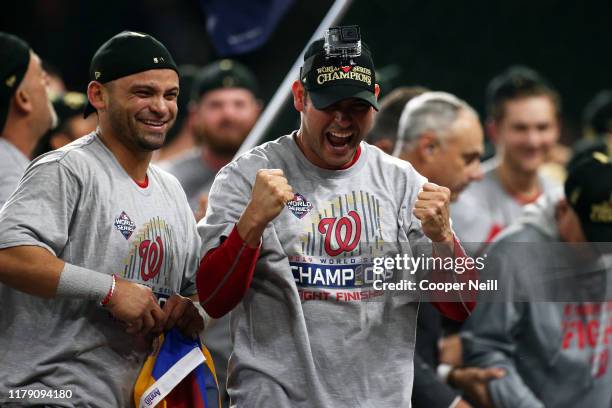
<point>152,255</point>
<point>346,231</point>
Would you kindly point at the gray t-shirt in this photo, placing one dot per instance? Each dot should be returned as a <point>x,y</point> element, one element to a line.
<point>80,204</point>
<point>305,335</point>
<point>485,208</point>
<point>12,165</point>
<point>195,177</point>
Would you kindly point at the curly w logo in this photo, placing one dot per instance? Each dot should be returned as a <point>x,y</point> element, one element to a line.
<point>345,230</point>
<point>152,254</point>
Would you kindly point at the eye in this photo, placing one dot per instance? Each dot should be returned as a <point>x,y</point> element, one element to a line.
<point>141,93</point>
<point>171,96</point>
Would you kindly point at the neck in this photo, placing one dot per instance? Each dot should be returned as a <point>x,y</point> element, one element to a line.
<point>134,162</point>
<point>519,184</point>
<point>214,160</point>
<point>19,135</point>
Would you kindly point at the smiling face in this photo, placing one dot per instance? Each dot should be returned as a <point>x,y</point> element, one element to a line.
<point>527,131</point>
<point>142,107</point>
<point>329,137</point>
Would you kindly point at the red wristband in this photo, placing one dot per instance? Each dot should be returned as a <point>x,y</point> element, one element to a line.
<point>109,295</point>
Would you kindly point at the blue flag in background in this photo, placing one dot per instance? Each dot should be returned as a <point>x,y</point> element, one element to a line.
<point>241,26</point>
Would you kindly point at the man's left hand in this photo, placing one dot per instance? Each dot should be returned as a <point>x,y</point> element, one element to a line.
<point>432,208</point>
<point>182,313</point>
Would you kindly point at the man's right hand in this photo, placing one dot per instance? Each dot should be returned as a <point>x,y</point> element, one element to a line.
<point>136,305</point>
<point>271,192</point>
<point>474,382</point>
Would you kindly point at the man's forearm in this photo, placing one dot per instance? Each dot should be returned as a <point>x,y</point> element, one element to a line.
<point>34,270</point>
<point>30,269</point>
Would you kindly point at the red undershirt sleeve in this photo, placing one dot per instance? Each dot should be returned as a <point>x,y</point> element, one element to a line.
<point>225,274</point>
<point>463,300</point>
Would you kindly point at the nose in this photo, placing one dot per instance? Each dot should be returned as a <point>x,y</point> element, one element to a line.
<point>159,106</point>
<point>477,172</point>
<point>533,137</point>
<point>342,118</point>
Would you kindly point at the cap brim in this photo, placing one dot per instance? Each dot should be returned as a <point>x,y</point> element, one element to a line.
<point>89,109</point>
<point>597,232</point>
<point>322,98</point>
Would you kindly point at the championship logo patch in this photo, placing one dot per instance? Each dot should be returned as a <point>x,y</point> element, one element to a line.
<point>125,225</point>
<point>299,206</point>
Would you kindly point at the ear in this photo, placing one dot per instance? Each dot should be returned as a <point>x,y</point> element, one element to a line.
<point>427,147</point>
<point>376,90</point>
<point>95,94</point>
<point>297,89</point>
<point>22,100</point>
<point>260,106</point>
<point>491,128</point>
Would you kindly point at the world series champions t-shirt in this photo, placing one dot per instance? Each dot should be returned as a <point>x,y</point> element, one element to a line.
<point>81,205</point>
<point>307,333</point>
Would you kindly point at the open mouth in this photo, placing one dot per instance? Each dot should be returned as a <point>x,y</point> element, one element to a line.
<point>153,124</point>
<point>339,139</point>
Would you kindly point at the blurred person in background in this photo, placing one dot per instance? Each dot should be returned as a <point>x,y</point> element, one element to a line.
<point>597,125</point>
<point>56,81</point>
<point>384,132</point>
<point>180,138</point>
<point>26,112</point>
<point>552,339</point>
<point>224,109</point>
<point>71,123</point>
<point>523,120</point>
<point>441,136</point>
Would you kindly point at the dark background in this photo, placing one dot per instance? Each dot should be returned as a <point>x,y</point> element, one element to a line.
<point>452,46</point>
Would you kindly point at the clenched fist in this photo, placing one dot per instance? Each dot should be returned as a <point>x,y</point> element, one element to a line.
<point>270,193</point>
<point>432,209</point>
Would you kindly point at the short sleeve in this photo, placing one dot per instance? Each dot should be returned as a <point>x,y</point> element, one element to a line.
<point>41,210</point>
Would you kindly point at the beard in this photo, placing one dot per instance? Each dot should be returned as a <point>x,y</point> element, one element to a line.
<point>220,144</point>
<point>126,128</point>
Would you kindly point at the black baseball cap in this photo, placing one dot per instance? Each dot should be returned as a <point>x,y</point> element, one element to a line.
<point>15,57</point>
<point>331,79</point>
<point>588,189</point>
<point>597,115</point>
<point>225,73</point>
<point>128,53</point>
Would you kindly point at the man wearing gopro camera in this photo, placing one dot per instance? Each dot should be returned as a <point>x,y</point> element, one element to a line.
<point>290,227</point>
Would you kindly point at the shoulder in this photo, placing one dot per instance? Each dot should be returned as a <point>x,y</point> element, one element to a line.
<point>78,157</point>
<point>391,172</point>
<point>165,178</point>
<point>274,154</point>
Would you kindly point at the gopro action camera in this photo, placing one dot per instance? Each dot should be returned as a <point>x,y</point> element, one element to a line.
<point>343,42</point>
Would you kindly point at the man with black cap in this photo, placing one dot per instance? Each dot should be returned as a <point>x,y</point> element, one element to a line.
<point>25,110</point>
<point>224,109</point>
<point>94,237</point>
<point>554,338</point>
<point>288,237</point>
